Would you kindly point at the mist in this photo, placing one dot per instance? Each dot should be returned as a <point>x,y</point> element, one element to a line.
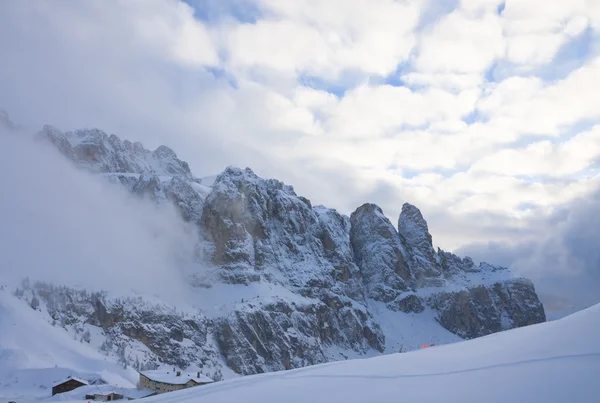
<point>63,225</point>
<point>563,259</point>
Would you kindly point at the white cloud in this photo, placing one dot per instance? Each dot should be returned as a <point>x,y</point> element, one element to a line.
<point>479,6</point>
<point>325,38</point>
<point>172,29</point>
<point>372,111</point>
<point>164,29</point>
<point>545,158</point>
<point>448,81</point>
<point>530,106</point>
<point>449,141</point>
<point>461,43</point>
<point>537,29</point>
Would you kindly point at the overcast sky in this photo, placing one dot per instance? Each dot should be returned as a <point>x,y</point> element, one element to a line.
<point>482,113</point>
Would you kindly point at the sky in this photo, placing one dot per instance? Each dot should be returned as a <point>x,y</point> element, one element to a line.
<point>483,113</point>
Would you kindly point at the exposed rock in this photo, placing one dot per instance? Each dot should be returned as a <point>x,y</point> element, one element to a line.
<point>261,229</point>
<point>452,264</point>
<point>378,253</point>
<point>186,199</point>
<point>156,333</point>
<point>149,185</point>
<point>483,310</point>
<point>96,151</point>
<point>280,335</point>
<point>339,278</point>
<point>334,235</point>
<point>414,232</point>
<point>59,139</point>
<point>410,303</point>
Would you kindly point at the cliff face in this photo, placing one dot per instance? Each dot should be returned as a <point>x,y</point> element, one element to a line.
<point>327,286</point>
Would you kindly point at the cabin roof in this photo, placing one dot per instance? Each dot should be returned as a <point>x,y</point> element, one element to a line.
<point>136,393</point>
<point>106,389</point>
<point>71,378</point>
<point>172,378</point>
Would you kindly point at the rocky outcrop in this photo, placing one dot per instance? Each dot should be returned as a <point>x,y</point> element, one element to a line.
<point>260,229</point>
<point>482,310</point>
<point>379,253</point>
<point>279,335</point>
<point>414,233</point>
<point>96,151</point>
<point>410,303</point>
<point>153,333</point>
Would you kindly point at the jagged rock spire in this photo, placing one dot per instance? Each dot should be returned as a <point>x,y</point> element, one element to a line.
<point>378,253</point>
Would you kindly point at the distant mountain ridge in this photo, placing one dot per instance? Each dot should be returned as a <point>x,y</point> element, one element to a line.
<point>97,151</point>
<point>317,285</point>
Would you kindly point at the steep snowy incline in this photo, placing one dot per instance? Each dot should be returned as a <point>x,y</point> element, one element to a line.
<point>553,362</point>
<point>34,354</point>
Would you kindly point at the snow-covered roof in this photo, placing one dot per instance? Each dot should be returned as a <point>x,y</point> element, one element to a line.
<point>127,392</point>
<point>136,393</point>
<point>172,378</point>
<point>71,378</point>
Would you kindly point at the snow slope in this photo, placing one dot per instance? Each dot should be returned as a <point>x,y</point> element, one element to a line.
<point>34,354</point>
<point>552,362</point>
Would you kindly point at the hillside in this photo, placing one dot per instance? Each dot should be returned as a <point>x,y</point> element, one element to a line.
<point>34,354</point>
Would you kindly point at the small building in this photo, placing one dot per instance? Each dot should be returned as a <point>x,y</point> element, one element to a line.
<point>168,381</point>
<point>132,394</point>
<point>105,396</point>
<point>108,393</point>
<point>67,385</point>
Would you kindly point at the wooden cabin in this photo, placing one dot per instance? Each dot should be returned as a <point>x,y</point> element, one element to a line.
<point>67,385</point>
<point>168,381</point>
<point>104,397</point>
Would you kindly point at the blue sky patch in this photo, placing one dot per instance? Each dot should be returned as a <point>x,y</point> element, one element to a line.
<point>501,8</point>
<point>437,10</point>
<point>571,56</point>
<point>215,10</point>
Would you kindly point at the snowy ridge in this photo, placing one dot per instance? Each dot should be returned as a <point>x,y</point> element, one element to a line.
<point>97,151</point>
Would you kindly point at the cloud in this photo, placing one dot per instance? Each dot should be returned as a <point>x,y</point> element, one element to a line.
<point>535,32</point>
<point>373,111</point>
<point>459,43</point>
<point>561,255</point>
<point>326,38</point>
<point>464,108</point>
<point>527,105</point>
<point>546,158</point>
<point>65,226</point>
<point>6,123</point>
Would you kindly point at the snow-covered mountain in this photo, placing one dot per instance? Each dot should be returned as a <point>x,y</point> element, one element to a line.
<point>283,284</point>
<point>34,354</point>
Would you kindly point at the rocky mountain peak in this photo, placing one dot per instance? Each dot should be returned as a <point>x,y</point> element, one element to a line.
<point>414,232</point>
<point>378,253</point>
<point>413,227</point>
<point>95,150</point>
<point>328,285</point>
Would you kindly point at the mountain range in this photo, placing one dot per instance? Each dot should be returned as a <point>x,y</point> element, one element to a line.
<point>289,284</point>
